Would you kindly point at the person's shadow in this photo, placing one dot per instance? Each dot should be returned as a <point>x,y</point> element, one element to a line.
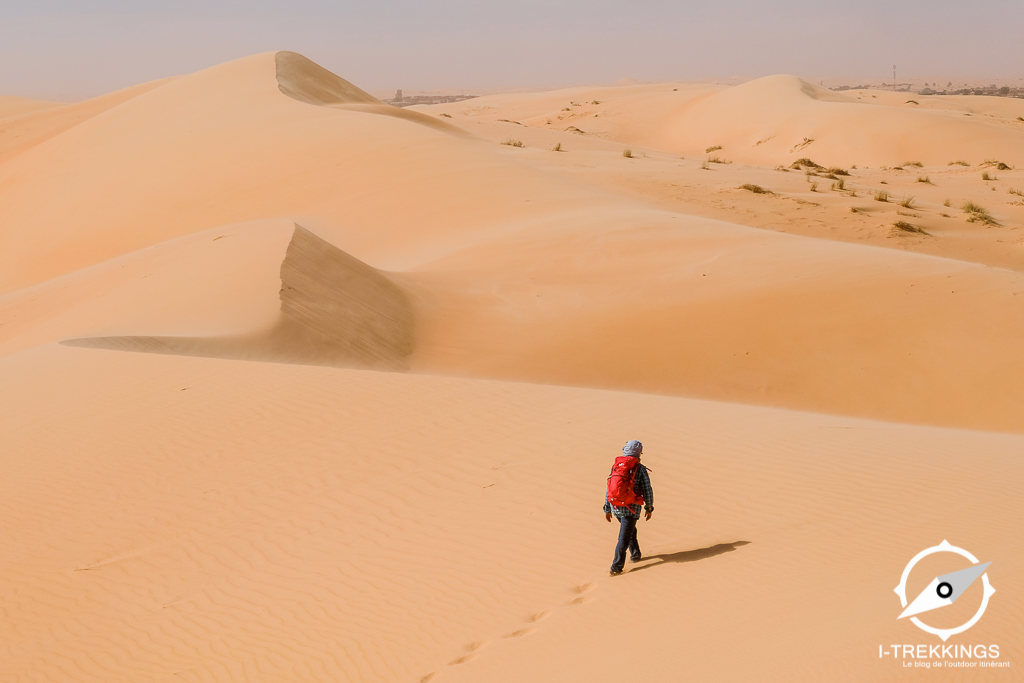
<point>688,555</point>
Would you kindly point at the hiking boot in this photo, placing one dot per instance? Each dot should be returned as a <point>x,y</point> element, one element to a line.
<point>614,572</point>
<point>636,558</point>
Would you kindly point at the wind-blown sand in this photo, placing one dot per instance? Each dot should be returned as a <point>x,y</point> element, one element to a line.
<point>207,475</point>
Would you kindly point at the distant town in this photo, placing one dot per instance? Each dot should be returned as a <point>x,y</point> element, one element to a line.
<point>402,100</point>
<point>933,89</point>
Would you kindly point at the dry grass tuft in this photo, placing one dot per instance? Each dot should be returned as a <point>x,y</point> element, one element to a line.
<point>557,148</point>
<point>835,170</point>
<point>447,116</point>
<point>805,162</point>
<point>916,164</point>
<point>628,153</point>
<point>756,189</point>
<point>908,227</point>
<point>1000,166</point>
<point>907,202</point>
<point>924,179</point>
<point>709,150</point>
<point>881,196</point>
<point>958,163</point>
<point>513,143</point>
<point>977,214</point>
<point>986,176</point>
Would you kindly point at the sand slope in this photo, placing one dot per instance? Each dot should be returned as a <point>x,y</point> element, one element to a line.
<point>774,120</point>
<point>534,278</point>
<point>13,106</point>
<point>205,476</point>
<point>210,520</point>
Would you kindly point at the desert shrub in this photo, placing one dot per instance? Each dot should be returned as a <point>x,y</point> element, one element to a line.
<point>594,102</point>
<point>907,202</point>
<point>628,153</point>
<point>447,116</point>
<point>704,166</point>
<point>709,150</point>
<point>756,189</point>
<point>814,187</point>
<point>566,109</point>
<point>840,184</point>
<point>924,179</point>
<point>977,213</point>
<point>1000,166</point>
<point>1020,118</point>
<point>834,170</point>
<point>513,143</point>
<point>907,227</point>
<point>1016,192</point>
<point>881,196</point>
<point>804,161</point>
<point>947,202</point>
<point>986,176</point>
<point>716,160</point>
<point>958,163</point>
<point>557,148</point>
<point>916,164</point>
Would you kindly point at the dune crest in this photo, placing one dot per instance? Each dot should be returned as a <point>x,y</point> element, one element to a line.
<point>307,81</point>
<point>335,310</point>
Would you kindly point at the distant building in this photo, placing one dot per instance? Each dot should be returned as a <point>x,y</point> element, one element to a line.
<point>401,100</point>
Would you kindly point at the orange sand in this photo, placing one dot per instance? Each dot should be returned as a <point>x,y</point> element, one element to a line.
<point>208,476</point>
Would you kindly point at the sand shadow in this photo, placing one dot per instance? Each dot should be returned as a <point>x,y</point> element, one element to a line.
<point>688,555</point>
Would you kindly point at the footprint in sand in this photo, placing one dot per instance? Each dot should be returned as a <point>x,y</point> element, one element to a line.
<point>534,618</point>
<point>520,632</point>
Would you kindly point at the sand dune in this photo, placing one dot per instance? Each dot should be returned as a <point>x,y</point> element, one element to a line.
<point>13,106</point>
<point>171,517</point>
<point>190,494</point>
<point>335,310</point>
<point>715,310</point>
<point>776,120</point>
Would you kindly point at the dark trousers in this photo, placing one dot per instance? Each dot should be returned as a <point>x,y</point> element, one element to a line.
<point>627,541</point>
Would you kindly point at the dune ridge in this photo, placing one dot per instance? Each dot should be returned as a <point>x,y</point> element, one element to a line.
<point>334,310</point>
<point>307,81</point>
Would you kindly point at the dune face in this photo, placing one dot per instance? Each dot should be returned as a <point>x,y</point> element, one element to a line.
<point>335,310</point>
<point>306,81</point>
<point>207,476</point>
<point>13,106</point>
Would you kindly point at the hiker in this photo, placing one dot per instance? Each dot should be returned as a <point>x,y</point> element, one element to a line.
<point>629,487</point>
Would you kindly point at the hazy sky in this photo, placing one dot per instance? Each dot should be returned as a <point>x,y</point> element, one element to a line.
<point>74,48</point>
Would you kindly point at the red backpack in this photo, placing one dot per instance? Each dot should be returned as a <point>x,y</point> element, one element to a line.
<point>622,480</point>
